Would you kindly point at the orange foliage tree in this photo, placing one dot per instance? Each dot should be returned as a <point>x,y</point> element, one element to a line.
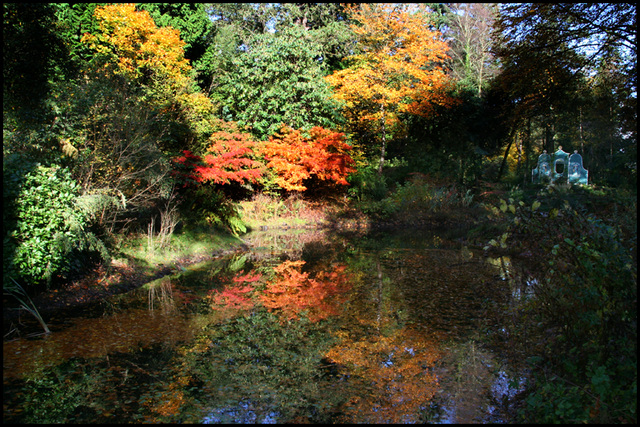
<point>400,69</point>
<point>293,291</point>
<point>295,157</point>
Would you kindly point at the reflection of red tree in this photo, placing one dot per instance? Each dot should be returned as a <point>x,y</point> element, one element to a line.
<point>236,296</point>
<point>293,291</point>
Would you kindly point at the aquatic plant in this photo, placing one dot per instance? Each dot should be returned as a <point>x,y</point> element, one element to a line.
<point>15,290</point>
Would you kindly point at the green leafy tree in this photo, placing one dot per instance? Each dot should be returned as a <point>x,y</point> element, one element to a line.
<point>74,21</point>
<point>327,24</point>
<point>278,80</point>
<point>247,19</point>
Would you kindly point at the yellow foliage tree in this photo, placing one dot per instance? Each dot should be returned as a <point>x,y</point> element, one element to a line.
<point>132,40</point>
<point>400,69</point>
<point>129,41</point>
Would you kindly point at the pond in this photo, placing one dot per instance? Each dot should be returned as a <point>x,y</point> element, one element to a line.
<point>304,327</point>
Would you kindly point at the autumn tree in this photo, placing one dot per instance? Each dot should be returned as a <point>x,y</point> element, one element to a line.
<point>130,44</point>
<point>229,157</point>
<point>129,105</point>
<point>138,47</point>
<point>400,69</point>
<point>295,157</point>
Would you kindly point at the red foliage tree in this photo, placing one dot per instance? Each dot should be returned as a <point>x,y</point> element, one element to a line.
<point>229,157</point>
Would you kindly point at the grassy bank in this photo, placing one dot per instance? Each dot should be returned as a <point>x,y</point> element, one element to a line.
<point>147,251</point>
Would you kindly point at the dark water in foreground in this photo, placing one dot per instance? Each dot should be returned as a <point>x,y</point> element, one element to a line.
<point>304,327</point>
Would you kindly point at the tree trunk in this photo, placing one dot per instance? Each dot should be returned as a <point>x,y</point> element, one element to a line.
<point>506,152</point>
<point>384,140</point>
<point>527,152</point>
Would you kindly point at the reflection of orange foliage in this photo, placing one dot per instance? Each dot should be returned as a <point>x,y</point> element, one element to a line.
<point>293,291</point>
<point>397,368</point>
<point>171,403</point>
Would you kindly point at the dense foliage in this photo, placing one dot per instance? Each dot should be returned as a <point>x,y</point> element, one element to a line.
<point>584,305</point>
<point>295,158</point>
<point>50,223</point>
<point>278,80</point>
<point>399,69</point>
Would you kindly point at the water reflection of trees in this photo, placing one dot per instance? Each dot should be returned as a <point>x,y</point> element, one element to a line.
<point>402,308</point>
<point>315,335</point>
<point>254,364</point>
<point>289,291</point>
<point>293,291</point>
<point>271,243</point>
<point>393,376</point>
<point>162,291</point>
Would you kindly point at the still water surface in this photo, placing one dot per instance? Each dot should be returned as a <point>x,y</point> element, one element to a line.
<point>303,327</point>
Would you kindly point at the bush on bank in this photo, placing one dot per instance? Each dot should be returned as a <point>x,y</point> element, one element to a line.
<point>582,318</point>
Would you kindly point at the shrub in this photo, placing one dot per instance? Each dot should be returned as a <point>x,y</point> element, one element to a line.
<point>43,223</point>
<point>208,205</point>
<point>583,313</point>
<point>297,158</point>
<point>367,183</point>
<point>417,197</point>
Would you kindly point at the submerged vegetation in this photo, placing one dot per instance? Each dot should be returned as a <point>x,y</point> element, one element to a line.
<point>141,139</point>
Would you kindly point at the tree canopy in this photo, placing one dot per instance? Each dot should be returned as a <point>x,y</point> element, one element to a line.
<point>278,79</point>
<point>400,69</point>
<point>132,99</point>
